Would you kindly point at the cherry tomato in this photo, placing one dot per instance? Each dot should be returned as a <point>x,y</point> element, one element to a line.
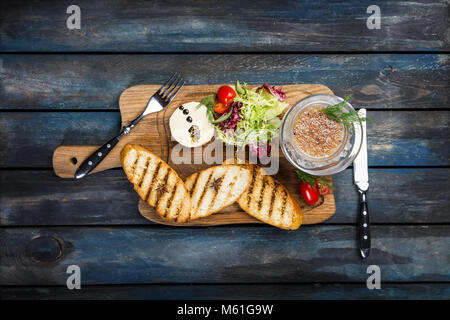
<point>219,107</point>
<point>323,190</point>
<point>226,94</point>
<point>308,193</point>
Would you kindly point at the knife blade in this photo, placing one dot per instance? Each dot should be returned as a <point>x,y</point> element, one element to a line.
<point>361,180</point>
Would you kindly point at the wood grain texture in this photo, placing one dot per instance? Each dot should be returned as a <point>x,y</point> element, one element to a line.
<point>228,254</point>
<point>214,26</point>
<point>123,255</point>
<point>95,82</point>
<point>342,291</point>
<point>233,214</point>
<point>395,138</point>
<point>40,198</point>
<point>152,132</point>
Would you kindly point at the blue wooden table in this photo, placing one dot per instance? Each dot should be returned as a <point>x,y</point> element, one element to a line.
<point>61,86</point>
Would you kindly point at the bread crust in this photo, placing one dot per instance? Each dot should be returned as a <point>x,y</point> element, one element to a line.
<point>157,183</point>
<point>246,201</point>
<point>257,193</point>
<point>234,180</point>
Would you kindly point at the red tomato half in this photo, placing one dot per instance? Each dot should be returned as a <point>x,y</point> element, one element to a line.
<point>219,107</point>
<point>308,193</point>
<point>226,94</point>
<point>323,190</point>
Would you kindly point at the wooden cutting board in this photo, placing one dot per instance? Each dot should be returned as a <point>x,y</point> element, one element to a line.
<point>153,133</point>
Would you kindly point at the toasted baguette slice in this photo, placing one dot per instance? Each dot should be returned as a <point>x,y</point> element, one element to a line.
<point>215,188</point>
<point>156,183</point>
<point>268,200</point>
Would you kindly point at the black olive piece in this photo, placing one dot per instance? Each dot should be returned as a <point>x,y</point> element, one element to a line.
<point>181,108</point>
<point>186,111</point>
<point>193,128</point>
<point>189,119</point>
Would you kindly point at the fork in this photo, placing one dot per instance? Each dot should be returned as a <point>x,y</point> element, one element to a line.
<point>156,103</point>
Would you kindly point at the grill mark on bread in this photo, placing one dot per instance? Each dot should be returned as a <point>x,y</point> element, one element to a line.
<point>228,182</point>
<point>207,186</point>
<point>230,187</point>
<point>250,188</point>
<point>194,185</point>
<point>149,171</point>
<point>222,180</point>
<point>272,198</point>
<point>232,183</point>
<point>283,206</point>
<point>177,214</point>
<point>261,193</point>
<point>155,175</point>
<point>158,195</point>
<point>169,201</point>
<point>133,167</point>
<point>216,192</point>
<point>147,163</point>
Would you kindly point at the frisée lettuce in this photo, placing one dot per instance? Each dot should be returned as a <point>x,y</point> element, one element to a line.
<point>258,120</point>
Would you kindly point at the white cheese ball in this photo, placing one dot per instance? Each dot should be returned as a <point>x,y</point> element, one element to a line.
<point>191,134</point>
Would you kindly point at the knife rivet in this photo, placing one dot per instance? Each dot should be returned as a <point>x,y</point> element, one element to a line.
<point>90,163</point>
<point>108,146</point>
<point>364,212</point>
<point>99,154</point>
<point>365,237</point>
<point>365,225</point>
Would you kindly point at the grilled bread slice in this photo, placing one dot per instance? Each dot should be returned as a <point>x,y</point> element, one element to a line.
<point>268,200</point>
<point>215,188</point>
<point>156,183</point>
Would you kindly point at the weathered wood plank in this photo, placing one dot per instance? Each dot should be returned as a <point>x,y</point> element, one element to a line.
<point>42,198</point>
<point>394,138</point>
<point>423,291</point>
<point>31,137</point>
<point>224,26</point>
<point>89,82</point>
<point>34,256</point>
<point>396,196</point>
<point>30,198</point>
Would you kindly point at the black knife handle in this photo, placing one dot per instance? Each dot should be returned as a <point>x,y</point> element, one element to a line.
<point>363,225</point>
<point>94,159</point>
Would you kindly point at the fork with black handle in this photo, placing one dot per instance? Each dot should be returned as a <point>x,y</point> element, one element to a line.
<point>156,103</point>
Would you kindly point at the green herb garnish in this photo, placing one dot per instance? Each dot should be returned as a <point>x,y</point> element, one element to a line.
<point>241,90</point>
<point>209,103</point>
<point>311,180</point>
<point>338,113</point>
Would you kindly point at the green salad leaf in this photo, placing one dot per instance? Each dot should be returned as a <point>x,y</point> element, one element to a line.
<point>259,113</point>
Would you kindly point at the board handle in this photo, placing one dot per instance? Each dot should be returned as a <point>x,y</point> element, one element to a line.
<point>95,158</point>
<point>67,159</point>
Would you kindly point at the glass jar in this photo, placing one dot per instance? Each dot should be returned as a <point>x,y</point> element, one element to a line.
<point>329,164</point>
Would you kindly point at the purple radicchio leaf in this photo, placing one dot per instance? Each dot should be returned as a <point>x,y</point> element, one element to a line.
<point>278,93</point>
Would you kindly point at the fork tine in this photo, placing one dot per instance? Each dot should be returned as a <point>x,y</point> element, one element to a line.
<point>172,83</point>
<point>169,82</point>
<point>174,87</point>
<point>175,93</point>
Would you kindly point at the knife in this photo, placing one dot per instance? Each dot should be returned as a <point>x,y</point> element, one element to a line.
<point>361,179</point>
<point>156,103</point>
